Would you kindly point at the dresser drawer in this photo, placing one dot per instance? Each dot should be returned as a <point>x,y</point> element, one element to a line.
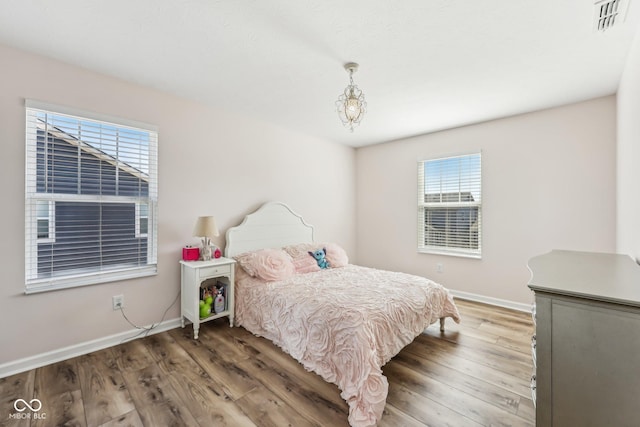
<point>215,270</point>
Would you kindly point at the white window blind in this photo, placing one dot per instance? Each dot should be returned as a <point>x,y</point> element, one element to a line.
<point>91,199</point>
<point>450,205</point>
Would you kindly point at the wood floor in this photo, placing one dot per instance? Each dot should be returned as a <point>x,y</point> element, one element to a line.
<point>475,374</point>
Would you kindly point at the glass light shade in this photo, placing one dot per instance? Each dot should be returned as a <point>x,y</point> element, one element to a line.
<point>351,107</point>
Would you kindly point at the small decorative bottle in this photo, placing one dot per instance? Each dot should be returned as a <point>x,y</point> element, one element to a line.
<point>218,302</point>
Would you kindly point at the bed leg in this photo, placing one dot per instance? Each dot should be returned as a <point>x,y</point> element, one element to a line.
<point>442,324</point>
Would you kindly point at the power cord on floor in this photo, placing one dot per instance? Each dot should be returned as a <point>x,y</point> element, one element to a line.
<point>144,330</point>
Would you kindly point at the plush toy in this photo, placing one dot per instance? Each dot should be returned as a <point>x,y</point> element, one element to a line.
<point>205,309</point>
<point>320,257</point>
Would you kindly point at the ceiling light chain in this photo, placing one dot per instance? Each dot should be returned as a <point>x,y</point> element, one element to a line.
<point>351,105</point>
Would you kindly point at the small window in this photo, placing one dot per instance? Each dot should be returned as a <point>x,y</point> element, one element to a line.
<point>450,206</point>
<point>142,220</point>
<point>45,221</point>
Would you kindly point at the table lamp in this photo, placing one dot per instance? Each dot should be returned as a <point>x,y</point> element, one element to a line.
<point>206,229</point>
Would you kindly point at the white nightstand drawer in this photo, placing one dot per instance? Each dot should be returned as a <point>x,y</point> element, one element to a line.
<point>215,270</point>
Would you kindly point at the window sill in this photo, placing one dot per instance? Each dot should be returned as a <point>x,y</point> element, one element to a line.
<point>459,254</point>
<point>56,283</point>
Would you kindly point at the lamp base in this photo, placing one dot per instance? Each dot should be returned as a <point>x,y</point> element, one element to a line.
<point>205,252</point>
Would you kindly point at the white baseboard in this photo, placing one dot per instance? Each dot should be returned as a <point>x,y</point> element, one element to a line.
<point>491,301</point>
<point>32,362</point>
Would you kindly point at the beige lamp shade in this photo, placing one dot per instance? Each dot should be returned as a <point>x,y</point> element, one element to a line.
<point>206,227</point>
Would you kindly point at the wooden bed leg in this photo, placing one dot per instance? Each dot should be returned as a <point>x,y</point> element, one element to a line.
<point>442,324</point>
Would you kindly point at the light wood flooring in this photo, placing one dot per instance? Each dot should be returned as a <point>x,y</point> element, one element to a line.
<point>475,374</point>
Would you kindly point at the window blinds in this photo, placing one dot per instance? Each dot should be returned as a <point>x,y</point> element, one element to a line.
<point>91,200</point>
<point>450,205</point>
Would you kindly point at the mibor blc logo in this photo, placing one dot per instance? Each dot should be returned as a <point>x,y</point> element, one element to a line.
<point>23,407</point>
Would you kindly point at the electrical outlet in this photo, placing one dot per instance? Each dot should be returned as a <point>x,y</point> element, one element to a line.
<point>118,301</point>
<point>439,267</point>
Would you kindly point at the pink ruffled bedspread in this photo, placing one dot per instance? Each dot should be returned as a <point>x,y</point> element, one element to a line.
<point>344,324</point>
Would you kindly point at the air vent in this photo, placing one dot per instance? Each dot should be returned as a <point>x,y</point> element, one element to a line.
<point>608,13</point>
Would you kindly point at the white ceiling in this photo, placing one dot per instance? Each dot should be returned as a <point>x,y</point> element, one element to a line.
<point>425,65</point>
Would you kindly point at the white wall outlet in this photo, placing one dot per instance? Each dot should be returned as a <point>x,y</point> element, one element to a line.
<point>439,267</point>
<point>118,302</point>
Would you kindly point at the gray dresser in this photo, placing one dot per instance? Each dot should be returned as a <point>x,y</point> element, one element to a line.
<point>586,342</point>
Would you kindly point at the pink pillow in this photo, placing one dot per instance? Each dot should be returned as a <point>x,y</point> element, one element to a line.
<point>336,255</point>
<point>245,260</point>
<point>305,264</point>
<point>267,264</point>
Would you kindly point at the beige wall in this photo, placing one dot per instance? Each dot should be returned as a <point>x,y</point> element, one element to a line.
<point>210,162</point>
<point>548,182</point>
<point>628,182</point>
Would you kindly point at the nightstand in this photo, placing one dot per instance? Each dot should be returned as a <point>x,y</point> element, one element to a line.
<point>192,275</point>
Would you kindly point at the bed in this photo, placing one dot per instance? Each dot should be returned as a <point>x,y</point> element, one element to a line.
<point>343,323</point>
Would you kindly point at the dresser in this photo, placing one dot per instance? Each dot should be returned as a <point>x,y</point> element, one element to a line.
<point>586,344</point>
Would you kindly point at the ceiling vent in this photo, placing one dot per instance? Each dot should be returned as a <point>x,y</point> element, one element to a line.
<point>608,13</point>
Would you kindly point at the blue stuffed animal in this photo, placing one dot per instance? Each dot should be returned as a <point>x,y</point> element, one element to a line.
<point>320,257</point>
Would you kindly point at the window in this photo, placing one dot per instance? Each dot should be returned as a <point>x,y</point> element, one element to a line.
<point>450,206</point>
<point>91,199</point>
<point>45,217</point>
<point>142,219</point>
